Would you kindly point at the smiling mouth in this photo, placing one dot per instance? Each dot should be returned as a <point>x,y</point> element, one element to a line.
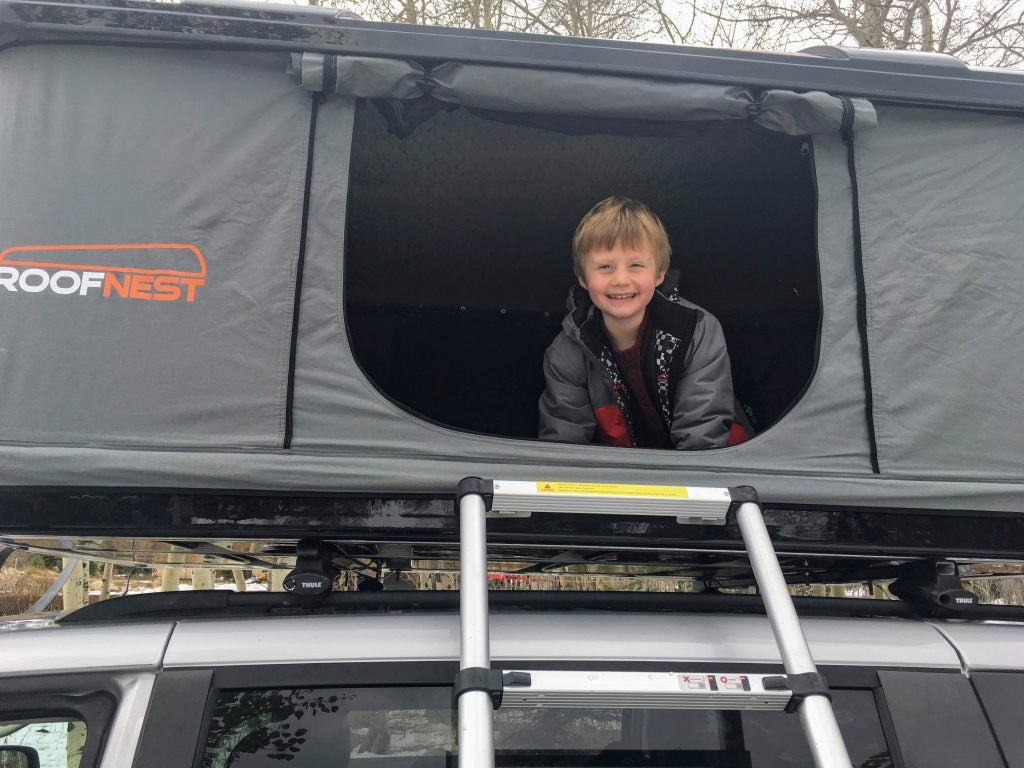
<point>621,296</point>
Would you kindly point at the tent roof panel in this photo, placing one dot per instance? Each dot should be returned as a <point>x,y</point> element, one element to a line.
<point>919,79</point>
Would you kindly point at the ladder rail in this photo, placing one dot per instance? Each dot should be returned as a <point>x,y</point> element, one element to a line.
<point>475,708</point>
<point>789,636</point>
<point>816,715</point>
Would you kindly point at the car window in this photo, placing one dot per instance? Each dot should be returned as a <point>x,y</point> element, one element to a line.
<point>413,727</point>
<point>328,727</point>
<point>58,741</point>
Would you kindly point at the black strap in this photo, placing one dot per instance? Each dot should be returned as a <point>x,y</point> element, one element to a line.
<point>741,494</point>
<point>477,487</point>
<point>479,679</point>
<point>330,73</point>
<point>846,130</point>
<point>299,266</point>
<point>802,686</point>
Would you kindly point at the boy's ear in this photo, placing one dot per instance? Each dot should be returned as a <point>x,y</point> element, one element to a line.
<point>661,277</point>
<point>582,281</point>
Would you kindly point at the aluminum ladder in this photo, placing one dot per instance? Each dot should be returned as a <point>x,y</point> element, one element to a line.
<point>479,689</point>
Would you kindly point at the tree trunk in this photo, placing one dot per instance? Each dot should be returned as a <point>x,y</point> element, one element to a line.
<point>874,24</point>
<point>170,578</point>
<point>202,578</point>
<point>108,574</point>
<point>924,11</point>
<point>75,591</point>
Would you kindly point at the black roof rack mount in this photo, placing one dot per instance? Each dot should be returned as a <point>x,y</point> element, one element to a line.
<point>815,545</point>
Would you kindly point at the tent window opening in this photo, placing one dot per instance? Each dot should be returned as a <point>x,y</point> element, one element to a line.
<point>458,250</point>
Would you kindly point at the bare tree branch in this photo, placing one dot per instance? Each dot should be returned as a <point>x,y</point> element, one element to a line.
<point>990,33</point>
<point>984,32</point>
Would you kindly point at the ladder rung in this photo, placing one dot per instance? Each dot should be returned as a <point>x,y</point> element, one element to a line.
<point>648,690</point>
<point>688,504</point>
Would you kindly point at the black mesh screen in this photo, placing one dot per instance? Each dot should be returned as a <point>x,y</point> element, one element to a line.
<point>458,259</point>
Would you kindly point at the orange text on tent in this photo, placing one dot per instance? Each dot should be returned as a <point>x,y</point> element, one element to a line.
<point>148,271</point>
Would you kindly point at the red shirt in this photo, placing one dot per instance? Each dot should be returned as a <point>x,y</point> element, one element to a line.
<point>648,426</point>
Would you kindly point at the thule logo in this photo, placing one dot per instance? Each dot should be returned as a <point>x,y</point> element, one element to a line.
<point>310,584</point>
<point>966,600</point>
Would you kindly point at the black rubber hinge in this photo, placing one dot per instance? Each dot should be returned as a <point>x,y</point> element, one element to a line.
<point>330,73</point>
<point>848,117</point>
<point>741,494</point>
<point>478,486</point>
<point>479,679</point>
<point>802,686</point>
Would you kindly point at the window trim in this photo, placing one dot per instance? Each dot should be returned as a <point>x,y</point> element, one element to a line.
<point>914,732</point>
<point>92,699</point>
<point>174,724</point>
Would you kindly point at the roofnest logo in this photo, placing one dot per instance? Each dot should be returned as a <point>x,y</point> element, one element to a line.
<point>146,272</point>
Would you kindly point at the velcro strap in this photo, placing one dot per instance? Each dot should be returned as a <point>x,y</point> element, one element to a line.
<point>479,679</point>
<point>802,686</point>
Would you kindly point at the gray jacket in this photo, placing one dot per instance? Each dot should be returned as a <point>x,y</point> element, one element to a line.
<point>686,367</point>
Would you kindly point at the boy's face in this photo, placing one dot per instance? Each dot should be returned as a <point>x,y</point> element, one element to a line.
<point>621,281</point>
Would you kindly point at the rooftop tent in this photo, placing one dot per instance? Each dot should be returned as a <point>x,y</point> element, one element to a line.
<point>218,168</point>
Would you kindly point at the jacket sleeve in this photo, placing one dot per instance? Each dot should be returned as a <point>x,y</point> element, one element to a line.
<point>566,414</point>
<point>704,400</point>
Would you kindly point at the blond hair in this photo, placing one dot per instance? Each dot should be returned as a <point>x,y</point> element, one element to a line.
<point>620,221</point>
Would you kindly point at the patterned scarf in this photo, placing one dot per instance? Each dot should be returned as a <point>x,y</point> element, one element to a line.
<point>665,346</point>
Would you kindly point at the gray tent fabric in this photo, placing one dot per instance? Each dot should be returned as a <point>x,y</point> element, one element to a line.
<point>812,112</point>
<point>824,433</point>
<point>163,194</point>
<point>943,232</point>
<point>548,92</point>
<point>352,472</point>
<point>310,71</point>
<point>189,158</point>
<point>378,78</point>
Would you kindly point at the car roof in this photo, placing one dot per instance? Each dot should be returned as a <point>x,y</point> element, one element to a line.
<point>574,637</point>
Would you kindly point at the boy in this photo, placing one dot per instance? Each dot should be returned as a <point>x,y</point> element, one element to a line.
<point>635,365</point>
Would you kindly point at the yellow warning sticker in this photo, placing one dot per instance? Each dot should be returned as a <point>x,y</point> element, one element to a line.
<point>614,489</point>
